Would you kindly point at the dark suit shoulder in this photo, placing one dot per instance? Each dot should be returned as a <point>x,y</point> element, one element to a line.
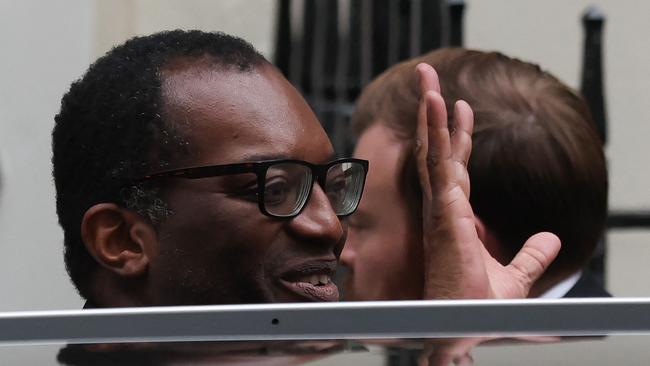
<point>588,286</point>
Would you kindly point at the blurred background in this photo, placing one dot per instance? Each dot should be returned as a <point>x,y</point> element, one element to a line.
<point>46,45</point>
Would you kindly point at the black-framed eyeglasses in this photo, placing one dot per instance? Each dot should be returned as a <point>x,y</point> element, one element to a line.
<point>284,186</point>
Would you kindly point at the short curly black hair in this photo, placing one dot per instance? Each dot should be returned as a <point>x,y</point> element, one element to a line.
<point>111,129</point>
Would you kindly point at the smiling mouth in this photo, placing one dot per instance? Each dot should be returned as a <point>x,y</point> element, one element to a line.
<point>312,282</point>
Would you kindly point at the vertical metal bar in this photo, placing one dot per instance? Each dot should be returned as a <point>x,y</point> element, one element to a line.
<point>282,55</point>
<point>393,31</point>
<point>593,91</point>
<point>356,50</point>
<point>416,28</point>
<point>592,68</point>
<point>317,70</point>
<point>456,9</point>
<point>431,28</point>
<point>324,62</point>
<point>345,29</point>
<point>342,138</point>
<point>597,263</point>
<point>404,29</point>
<point>379,40</point>
<point>367,51</point>
<point>331,47</point>
<point>308,47</point>
<point>297,45</point>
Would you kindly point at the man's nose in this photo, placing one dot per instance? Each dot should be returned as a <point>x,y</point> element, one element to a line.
<point>318,221</point>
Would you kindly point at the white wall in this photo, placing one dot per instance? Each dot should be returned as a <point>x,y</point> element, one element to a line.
<point>249,19</point>
<point>45,45</point>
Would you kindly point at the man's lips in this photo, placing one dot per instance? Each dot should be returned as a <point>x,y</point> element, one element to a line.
<point>312,281</point>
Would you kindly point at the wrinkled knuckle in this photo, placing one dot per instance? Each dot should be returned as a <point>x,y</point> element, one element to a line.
<point>432,161</point>
<point>538,257</point>
<point>523,278</point>
<point>535,264</point>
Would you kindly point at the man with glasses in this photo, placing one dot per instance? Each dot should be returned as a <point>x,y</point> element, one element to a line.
<point>189,171</point>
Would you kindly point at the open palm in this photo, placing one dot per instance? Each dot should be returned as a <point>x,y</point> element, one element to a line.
<point>456,263</point>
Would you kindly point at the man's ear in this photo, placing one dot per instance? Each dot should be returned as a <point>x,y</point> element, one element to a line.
<point>119,239</point>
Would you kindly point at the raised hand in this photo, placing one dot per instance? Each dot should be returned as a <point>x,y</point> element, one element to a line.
<point>456,264</point>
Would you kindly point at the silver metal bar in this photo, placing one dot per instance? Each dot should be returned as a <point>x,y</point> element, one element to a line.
<point>346,320</point>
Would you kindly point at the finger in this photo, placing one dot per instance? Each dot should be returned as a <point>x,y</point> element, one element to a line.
<point>427,78</point>
<point>461,139</point>
<point>422,149</point>
<point>438,137</point>
<point>439,143</point>
<point>427,81</point>
<point>534,258</point>
<point>461,142</point>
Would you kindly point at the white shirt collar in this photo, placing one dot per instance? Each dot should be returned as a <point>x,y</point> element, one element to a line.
<point>561,289</point>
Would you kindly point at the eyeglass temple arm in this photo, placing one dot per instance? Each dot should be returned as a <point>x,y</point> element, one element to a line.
<point>204,172</point>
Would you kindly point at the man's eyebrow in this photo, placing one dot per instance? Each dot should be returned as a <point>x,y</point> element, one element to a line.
<point>264,157</point>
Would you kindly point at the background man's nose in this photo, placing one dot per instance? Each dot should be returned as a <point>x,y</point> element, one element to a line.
<point>348,255</point>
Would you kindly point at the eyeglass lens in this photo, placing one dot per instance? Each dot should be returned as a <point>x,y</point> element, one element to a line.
<point>343,186</point>
<point>287,188</point>
<point>288,185</point>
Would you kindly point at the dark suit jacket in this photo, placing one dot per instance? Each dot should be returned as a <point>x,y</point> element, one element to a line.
<point>588,286</point>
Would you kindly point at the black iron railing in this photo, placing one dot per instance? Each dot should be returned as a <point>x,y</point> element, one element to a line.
<point>330,49</point>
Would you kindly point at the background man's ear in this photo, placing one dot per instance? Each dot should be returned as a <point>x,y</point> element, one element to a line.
<point>491,242</point>
<point>119,239</point>
<point>480,229</point>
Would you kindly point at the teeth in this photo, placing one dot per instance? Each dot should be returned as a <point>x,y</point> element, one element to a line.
<point>316,280</point>
<point>324,279</point>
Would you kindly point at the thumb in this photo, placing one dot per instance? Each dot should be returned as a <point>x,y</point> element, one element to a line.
<point>533,259</point>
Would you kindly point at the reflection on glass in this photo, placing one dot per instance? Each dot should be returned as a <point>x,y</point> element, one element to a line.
<point>203,353</point>
<point>434,352</point>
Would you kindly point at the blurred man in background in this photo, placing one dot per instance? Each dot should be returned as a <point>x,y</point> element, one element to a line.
<point>536,165</point>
